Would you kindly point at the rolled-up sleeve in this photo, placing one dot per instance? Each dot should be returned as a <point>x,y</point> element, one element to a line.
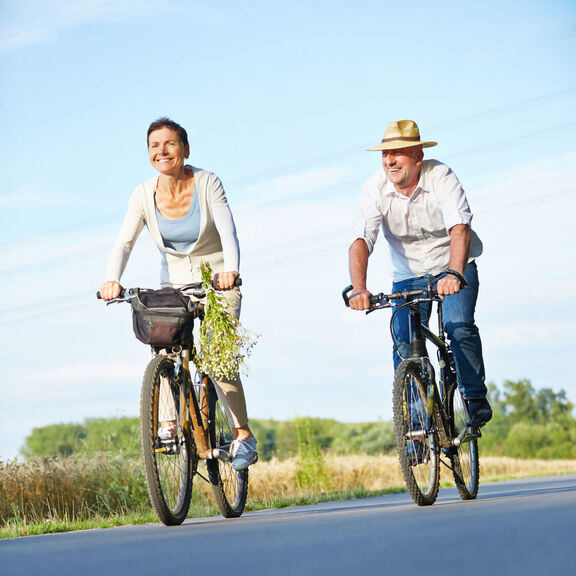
<point>368,216</point>
<point>450,196</point>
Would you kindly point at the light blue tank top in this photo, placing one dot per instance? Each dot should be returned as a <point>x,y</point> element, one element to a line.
<point>181,234</point>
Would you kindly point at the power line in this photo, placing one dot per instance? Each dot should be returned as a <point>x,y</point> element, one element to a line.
<point>526,201</point>
<point>83,224</point>
<point>504,144</point>
<point>58,20</point>
<point>45,308</point>
<point>569,92</point>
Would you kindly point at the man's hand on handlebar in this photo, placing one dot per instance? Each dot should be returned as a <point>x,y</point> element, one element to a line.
<point>110,290</point>
<point>360,300</point>
<point>448,285</point>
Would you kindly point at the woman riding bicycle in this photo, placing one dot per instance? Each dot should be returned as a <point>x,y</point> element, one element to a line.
<point>188,217</point>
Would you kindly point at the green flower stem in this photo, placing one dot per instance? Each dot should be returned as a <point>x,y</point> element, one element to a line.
<point>223,343</point>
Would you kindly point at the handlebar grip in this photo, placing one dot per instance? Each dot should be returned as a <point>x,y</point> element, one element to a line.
<point>377,299</point>
<point>121,295</point>
<point>374,298</point>
<point>345,295</point>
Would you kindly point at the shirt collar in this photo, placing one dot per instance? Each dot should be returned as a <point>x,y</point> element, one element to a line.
<point>390,189</point>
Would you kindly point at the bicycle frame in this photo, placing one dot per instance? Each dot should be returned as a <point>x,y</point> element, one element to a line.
<point>194,406</point>
<point>430,416</point>
<point>437,388</point>
<point>182,418</point>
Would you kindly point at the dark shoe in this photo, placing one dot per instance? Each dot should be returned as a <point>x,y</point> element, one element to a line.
<point>479,411</point>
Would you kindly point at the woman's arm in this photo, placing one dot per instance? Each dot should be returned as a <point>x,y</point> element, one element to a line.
<point>224,222</point>
<point>130,229</point>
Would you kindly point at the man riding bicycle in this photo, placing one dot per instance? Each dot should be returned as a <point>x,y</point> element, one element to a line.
<point>425,217</point>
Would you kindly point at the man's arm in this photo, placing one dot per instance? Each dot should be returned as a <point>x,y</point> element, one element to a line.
<point>459,252</point>
<point>358,263</point>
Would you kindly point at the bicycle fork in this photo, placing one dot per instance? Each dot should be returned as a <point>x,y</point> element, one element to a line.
<point>436,420</point>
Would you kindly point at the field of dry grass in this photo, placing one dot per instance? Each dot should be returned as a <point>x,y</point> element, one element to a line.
<point>375,473</point>
<point>71,493</point>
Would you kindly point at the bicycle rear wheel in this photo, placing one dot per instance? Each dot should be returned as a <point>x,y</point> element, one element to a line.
<point>417,446</point>
<point>464,458</point>
<point>229,486</point>
<point>170,463</point>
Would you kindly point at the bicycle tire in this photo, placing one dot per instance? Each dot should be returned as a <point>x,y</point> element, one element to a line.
<point>464,458</point>
<point>229,486</point>
<point>169,467</point>
<point>417,448</point>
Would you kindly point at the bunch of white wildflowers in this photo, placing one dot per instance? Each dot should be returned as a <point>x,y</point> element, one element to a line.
<point>223,343</point>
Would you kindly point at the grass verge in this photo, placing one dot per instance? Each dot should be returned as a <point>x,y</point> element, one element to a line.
<point>63,494</point>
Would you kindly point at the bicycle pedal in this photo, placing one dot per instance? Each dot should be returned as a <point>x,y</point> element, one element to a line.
<point>221,455</point>
<point>474,432</point>
<point>167,446</point>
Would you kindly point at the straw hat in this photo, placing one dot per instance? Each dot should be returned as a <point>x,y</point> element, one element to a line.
<point>402,134</point>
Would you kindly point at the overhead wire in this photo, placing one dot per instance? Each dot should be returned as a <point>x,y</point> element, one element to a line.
<point>499,111</point>
<point>502,144</point>
<point>58,20</point>
<point>45,308</point>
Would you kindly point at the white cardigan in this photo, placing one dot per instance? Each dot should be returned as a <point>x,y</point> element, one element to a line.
<point>217,242</point>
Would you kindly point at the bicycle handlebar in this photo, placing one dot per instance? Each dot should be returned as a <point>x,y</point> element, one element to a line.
<point>382,300</point>
<point>195,288</point>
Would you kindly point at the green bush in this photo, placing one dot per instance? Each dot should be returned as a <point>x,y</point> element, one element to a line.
<point>96,435</point>
<point>527,423</point>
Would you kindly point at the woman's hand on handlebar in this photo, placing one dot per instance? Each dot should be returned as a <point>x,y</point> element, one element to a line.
<point>225,280</point>
<point>110,290</point>
<point>360,300</point>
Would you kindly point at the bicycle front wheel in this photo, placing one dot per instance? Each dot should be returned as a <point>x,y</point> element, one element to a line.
<point>417,444</point>
<point>170,461</point>
<point>464,458</point>
<point>229,486</point>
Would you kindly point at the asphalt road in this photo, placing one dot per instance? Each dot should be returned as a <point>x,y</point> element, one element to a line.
<point>519,528</point>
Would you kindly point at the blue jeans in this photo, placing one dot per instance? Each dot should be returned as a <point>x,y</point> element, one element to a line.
<point>460,328</point>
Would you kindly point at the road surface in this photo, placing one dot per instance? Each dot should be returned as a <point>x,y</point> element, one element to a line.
<point>520,528</point>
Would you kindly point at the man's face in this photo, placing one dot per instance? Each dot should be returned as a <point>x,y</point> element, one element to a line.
<point>402,166</point>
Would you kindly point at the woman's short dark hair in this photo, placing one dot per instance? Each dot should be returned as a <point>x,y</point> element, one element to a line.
<point>167,123</point>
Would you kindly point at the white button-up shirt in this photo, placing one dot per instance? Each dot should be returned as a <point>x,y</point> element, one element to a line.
<point>416,227</point>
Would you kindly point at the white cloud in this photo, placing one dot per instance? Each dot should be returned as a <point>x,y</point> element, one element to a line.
<point>292,186</point>
<point>529,333</point>
<point>530,184</point>
<point>294,264</point>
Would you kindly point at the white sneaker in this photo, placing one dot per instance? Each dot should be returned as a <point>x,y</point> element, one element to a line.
<point>167,433</point>
<point>243,453</point>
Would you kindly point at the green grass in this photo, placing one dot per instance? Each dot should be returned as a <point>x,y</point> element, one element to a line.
<point>17,528</point>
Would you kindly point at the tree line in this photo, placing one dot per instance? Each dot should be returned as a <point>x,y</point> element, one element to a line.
<point>527,423</point>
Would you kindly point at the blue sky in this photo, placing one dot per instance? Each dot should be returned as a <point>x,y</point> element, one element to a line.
<point>280,100</point>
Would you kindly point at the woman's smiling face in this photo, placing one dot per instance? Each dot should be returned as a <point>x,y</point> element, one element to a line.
<point>166,151</point>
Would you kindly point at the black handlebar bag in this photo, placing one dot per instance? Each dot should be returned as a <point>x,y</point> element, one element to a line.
<point>162,317</point>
